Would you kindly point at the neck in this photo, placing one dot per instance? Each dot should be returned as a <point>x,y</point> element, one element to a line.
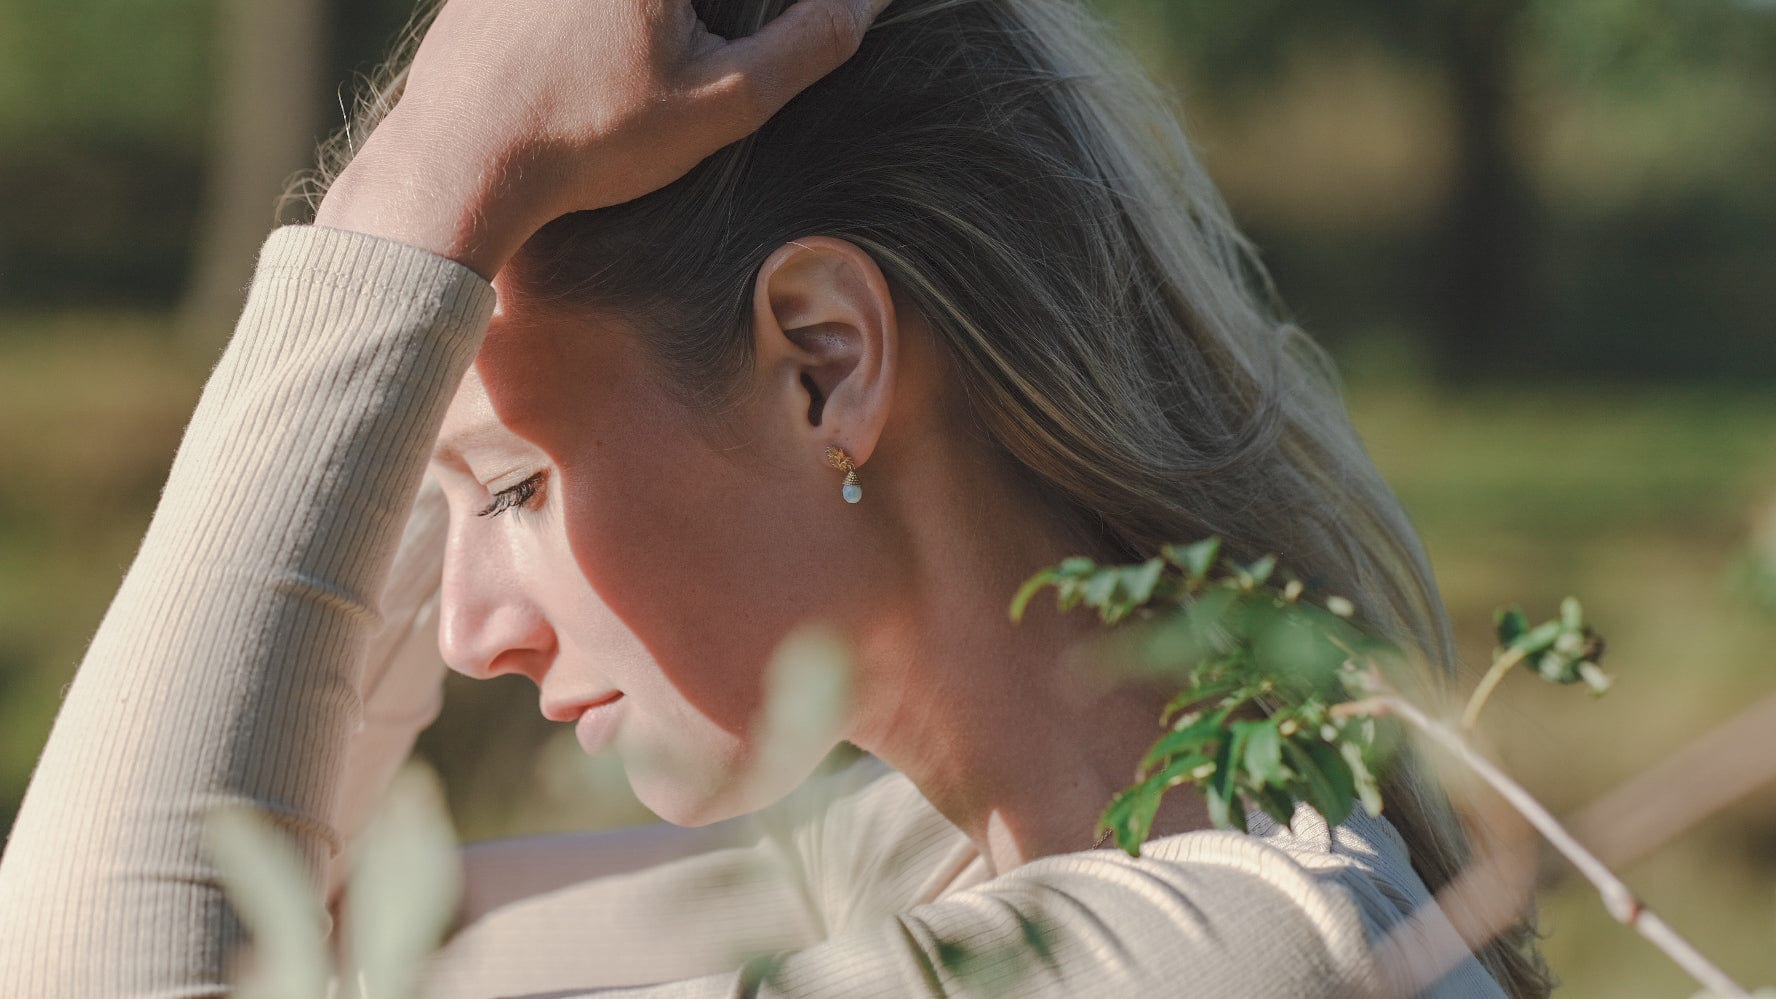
<point>1011,730</point>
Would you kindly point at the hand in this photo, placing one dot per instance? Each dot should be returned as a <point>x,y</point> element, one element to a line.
<point>517,111</point>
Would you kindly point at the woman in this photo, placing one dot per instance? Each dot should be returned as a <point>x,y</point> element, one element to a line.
<point>710,362</point>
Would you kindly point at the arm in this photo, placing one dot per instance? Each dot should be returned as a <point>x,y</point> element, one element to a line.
<point>904,907</point>
<point>1229,916</point>
<point>227,667</point>
<point>500,872</point>
<point>661,907</point>
<point>401,687</point>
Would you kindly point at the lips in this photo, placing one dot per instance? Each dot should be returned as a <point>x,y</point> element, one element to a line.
<point>566,711</point>
<point>597,724</point>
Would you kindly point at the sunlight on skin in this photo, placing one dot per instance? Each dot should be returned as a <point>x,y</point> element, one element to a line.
<point>667,560</point>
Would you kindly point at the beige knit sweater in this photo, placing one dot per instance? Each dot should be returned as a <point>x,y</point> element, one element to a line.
<point>274,643</point>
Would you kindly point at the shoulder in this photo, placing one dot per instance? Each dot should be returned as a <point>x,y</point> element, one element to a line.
<point>1350,887</point>
<point>1294,910</point>
<point>868,842</point>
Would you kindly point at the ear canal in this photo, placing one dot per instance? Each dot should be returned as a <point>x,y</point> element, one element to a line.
<point>817,402</point>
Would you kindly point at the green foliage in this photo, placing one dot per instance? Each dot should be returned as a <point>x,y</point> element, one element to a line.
<point>1261,668</point>
<point>1564,650</point>
<point>400,897</point>
<point>1241,640</point>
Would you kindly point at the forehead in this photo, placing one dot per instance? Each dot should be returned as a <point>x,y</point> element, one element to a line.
<point>534,364</point>
<point>469,421</point>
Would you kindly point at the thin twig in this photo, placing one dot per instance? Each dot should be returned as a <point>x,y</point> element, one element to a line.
<point>1500,667</point>
<point>1618,899</point>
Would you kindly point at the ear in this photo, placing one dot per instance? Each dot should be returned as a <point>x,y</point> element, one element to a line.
<point>826,344</point>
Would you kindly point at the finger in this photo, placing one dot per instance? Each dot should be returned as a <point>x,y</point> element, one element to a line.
<point>763,70</point>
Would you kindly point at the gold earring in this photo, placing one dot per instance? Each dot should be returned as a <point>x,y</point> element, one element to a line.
<point>837,458</point>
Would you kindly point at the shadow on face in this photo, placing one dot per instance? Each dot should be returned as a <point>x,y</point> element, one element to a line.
<point>660,560</point>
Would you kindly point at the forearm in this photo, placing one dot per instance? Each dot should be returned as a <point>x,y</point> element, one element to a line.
<point>226,668</point>
<point>466,207</point>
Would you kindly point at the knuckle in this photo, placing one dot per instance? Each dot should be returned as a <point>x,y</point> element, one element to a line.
<point>837,28</point>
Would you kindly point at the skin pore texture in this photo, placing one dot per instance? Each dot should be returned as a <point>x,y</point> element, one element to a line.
<point>665,561</point>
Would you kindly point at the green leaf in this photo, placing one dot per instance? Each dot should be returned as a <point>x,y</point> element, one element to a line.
<point>1511,625</point>
<point>1195,559</point>
<point>1193,635</point>
<point>1326,780</point>
<point>1338,773</point>
<point>1197,694</point>
<point>1031,587</point>
<point>1222,789</point>
<point>1257,572</point>
<point>1101,586</point>
<point>1066,594</point>
<point>1572,617</point>
<point>1537,638</point>
<point>1192,737</point>
<point>1368,790</point>
<point>1277,804</point>
<point>404,885</point>
<point>1138,581</point>
<point>1290,645</point>
<point>1263,751</point>
<point>266,884</point>
<point>1130,816</point>
<point>1185,768</point>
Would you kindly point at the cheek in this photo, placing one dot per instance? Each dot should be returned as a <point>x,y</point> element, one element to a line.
<point>700,563</point>
<point>703,564</point>
<point>707,562</point>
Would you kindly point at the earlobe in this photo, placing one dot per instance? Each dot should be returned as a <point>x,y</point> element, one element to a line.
<point>825,341</point>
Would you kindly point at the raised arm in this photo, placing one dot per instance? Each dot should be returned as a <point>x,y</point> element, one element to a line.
<point>226,668</point>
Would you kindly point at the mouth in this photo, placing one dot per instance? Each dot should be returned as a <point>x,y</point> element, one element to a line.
<point>597,724</point>
<point>566,711</point>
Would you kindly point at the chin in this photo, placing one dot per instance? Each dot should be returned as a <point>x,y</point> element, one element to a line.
<point>696,790</point>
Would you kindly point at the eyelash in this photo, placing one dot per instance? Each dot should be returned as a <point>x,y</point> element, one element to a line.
<point>517,496</point>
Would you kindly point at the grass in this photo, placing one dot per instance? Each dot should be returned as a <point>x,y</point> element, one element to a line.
<point>1634,499</point>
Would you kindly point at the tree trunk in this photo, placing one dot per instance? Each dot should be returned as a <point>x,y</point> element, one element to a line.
<point>1485,295</point>
<point>265,128</point>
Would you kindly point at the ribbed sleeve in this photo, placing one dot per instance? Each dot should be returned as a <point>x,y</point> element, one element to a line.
<point>227,666</point>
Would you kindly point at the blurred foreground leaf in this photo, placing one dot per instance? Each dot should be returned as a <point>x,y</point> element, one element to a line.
<point>266,884</point>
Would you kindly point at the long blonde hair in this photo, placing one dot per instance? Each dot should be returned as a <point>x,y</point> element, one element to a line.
<point>1035,197</point>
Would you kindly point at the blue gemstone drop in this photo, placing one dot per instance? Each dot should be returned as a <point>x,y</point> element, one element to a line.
<point>853,492</point>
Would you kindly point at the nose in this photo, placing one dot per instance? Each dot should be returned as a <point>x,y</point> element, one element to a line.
<point>488,622</point>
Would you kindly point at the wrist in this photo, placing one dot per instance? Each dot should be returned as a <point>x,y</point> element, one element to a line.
<point>399,187</point>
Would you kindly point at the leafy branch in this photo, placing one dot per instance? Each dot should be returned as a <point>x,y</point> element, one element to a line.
<point>1285,700</point>
<point>1261,666</point>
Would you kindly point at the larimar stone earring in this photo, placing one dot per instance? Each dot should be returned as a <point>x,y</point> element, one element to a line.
<point>837,458</point>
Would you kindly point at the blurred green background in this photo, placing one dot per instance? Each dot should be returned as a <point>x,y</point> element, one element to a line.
<point>1539,236</point>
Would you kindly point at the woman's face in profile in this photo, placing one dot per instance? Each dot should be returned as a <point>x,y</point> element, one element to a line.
<point>630,559</point>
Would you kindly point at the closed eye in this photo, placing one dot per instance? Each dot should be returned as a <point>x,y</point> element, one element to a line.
<point>517,495</point>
